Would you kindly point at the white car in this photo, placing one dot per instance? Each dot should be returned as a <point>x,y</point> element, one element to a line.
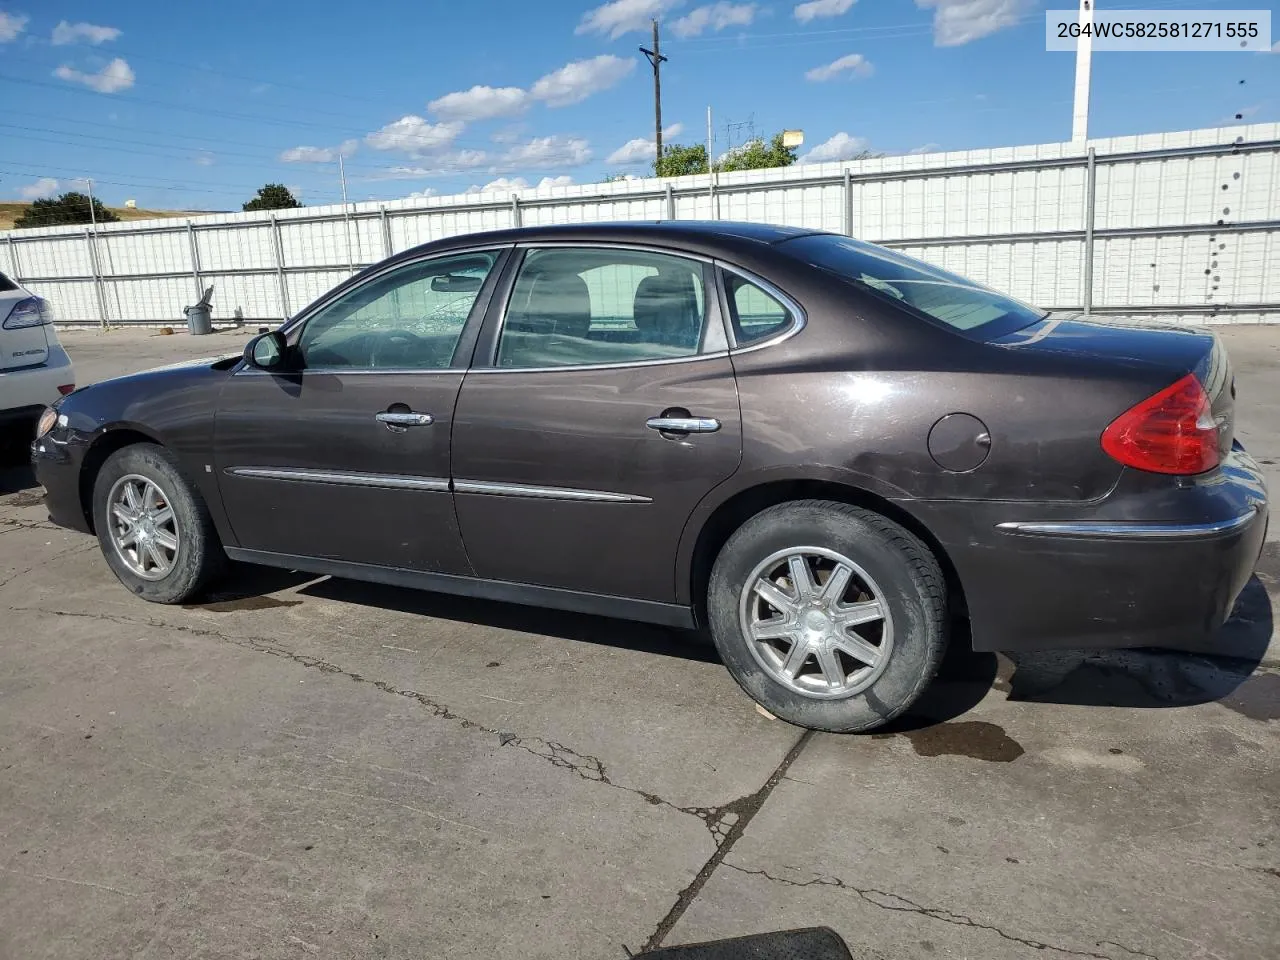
<point>34,368</point>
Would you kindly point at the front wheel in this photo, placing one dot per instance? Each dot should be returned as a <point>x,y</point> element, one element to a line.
<point>828,615</point>
<point>154,527</point>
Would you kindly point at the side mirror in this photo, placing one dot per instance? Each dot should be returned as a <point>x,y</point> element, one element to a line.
<point>266,351</point>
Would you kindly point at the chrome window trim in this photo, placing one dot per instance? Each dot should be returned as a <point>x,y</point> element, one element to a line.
<point>475,371</point>
<point>799,318</point>
<point>544,493</point>
<point>708,292</point>
<point>1110,530</point>
<point>342,478</point>
<point>246,371</point>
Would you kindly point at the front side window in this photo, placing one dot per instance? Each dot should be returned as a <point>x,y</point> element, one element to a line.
<point>408,319</point>
<point>577,306</point>
<point>942,296</point>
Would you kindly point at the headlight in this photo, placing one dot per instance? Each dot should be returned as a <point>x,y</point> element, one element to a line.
<point>47,421</point>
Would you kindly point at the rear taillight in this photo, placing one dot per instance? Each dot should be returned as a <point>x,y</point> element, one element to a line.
<point>1171,432</point>
<point>65,388</point>
<point>30,312</point>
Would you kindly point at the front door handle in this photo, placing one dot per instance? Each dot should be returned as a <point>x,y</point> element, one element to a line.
<point>404,419</point>
<point>683,424</point>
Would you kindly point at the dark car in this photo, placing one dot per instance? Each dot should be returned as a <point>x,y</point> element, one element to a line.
<point>821,450</point>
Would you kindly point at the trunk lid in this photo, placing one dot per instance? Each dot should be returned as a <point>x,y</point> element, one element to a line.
<point>1156,355</point>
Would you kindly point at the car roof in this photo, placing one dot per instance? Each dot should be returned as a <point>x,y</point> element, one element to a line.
<point>709,237</point>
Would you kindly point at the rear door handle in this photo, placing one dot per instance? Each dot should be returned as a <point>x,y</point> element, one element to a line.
<point>404,419</point>
<point>683,424</point>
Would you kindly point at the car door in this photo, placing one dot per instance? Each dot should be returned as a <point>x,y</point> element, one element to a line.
<point>347,456</point>
<point>601,408</point>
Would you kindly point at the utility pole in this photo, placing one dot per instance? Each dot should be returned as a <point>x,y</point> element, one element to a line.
<point>346,213</point>
<point>1084,56</point>
<point>655,60</point>
<point>94,263</point>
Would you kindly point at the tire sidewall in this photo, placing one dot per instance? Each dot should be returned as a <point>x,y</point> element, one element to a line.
<point>148,460</point>
<point>917,638</point>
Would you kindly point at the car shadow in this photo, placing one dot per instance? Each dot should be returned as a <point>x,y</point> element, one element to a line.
<point>585,628</point>
<point>15,463</point>
<point>1223,671</point>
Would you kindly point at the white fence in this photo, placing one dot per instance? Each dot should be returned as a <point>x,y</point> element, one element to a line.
<point>1183,225</point>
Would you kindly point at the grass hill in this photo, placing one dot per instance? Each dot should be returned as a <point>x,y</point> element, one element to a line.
<point>9,212</point>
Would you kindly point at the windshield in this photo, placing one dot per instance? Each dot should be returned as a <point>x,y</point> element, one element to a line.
<point>953,300</point>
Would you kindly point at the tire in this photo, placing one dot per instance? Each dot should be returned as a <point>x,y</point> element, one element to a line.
<point>889,570</point>
<point>198,559</point>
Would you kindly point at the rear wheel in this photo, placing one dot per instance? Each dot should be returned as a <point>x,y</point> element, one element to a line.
<point>829,616</point>
<point>154,527</point>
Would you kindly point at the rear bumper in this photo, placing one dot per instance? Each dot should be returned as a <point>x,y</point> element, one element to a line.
<point>36,386</point>
<point>1141,571</point>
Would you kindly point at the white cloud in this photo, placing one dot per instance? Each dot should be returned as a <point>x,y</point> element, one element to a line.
<point>502,183</point>
<point>11,24</point>
<point>510,134</point>
<point>641,149</point>
<point>205,159</point>
<point>112,78</point>
<point>441,165</point>
<point>927,148</point>
<point>624,16</point>
<point>957,22</point>
<point>576,81</point>
<point>415,136</point>
<point>814,9</point>
<point>853,63</point>
<point>839,147</point>
<point>65,33</point>
<point>479,103</point>
<point>561,181</point>
<point>42,188</point>
<point>423,193</point>
<point>716,17</point>
<point>320,154</point>
<point>547,153</point>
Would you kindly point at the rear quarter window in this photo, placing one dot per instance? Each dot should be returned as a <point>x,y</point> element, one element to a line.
<point>7,285</point>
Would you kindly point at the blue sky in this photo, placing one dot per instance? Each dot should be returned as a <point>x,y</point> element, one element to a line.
<point>193,106</point>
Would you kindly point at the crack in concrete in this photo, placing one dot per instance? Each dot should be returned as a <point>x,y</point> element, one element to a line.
<point>743,810</point>
<point>719,820</point>
<point>897,903</point>
<point>78,548</point>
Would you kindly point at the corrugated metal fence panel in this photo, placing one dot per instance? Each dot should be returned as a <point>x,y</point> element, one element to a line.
<point>256,294</point>
<point>65,256</point>
<point>1186,231</point>
<point>74,301</point>
<point>231,248</point>
<point>148,253</point>
<point>310,285</point>
<point>152,299</point>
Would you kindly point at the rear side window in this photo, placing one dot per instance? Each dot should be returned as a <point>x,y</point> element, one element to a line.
<point>941,296</point>
<point>580,306</point>
<point>755,314</point>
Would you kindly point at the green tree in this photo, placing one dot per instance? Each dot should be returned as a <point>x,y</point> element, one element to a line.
<point>757,155</point>
<point>679,160</point>
<point>71,207</point>
<point>273,196</point>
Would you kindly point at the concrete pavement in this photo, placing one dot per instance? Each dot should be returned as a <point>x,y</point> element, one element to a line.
<point>311,767</point>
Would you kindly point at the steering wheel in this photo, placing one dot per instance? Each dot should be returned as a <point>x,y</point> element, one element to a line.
<point>401,339</point>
